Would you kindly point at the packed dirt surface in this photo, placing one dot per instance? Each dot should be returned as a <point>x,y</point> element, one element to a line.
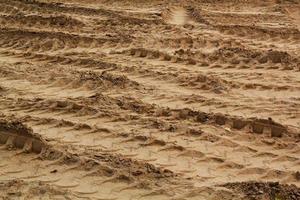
<point>130,99</point>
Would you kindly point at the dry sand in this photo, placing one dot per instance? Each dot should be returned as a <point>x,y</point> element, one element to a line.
<point>103,99</point>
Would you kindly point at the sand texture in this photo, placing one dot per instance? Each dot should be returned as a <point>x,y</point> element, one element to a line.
<point>141,100</point>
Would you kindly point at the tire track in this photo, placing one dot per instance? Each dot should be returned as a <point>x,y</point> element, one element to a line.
<point>166,100</point>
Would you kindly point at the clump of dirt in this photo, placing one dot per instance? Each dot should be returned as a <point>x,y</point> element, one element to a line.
<point>107,79</point>
<point>196,14</point>
<point>279,57</point>
<point>205,82</point>
<point>135,168</point>
<point>134,105</point>
<point>19,189</point>
<point>2,89</point>
<point>265,190</point>
<point>17,127</point>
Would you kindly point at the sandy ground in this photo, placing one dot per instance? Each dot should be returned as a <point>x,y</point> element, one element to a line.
<point>150,99</point>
